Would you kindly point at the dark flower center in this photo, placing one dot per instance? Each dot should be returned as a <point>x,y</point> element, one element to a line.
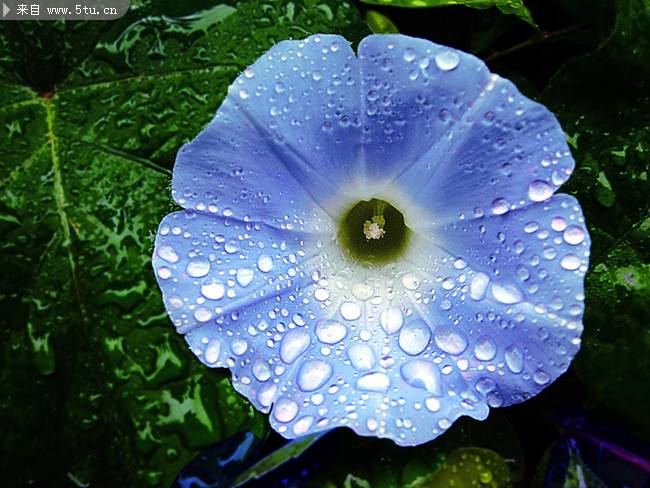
<point>373,232</point>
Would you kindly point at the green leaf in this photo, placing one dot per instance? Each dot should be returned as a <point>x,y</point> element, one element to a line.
<point>91,117</point>
<point>380,24</point>
<point>515,7</point>
<point>603,103</point>
<point>469,466</point>
<point>277,458</point>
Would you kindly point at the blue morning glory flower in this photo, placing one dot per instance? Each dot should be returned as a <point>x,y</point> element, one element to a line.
<point>375,241</point>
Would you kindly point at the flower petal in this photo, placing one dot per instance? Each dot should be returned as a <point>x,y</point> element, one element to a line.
<point>233,288</point>
<point>516,292</point>
<point>456,138</point>
<point>412,91</point>
<point>284,138</point>
<point>506,152</point>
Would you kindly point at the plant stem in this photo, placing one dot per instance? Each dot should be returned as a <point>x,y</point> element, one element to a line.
<point>536,39</point>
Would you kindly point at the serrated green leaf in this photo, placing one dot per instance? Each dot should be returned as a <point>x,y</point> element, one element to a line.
<point>515,7</point>
<point>91,116</point>
<point>603,102</point>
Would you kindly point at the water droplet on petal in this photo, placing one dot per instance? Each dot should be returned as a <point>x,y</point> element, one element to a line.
<point>213,290</point>
<point>500,206</point>
<point>422,374</point>
<point>239,346</point>
<point>285,410</point>
<point>485,348</point>
<point>321,294</point>
<point>212,351</point>
<point>377,382</point>
<point>391,320</point>
<point>266,394</point>
<point>409,54</point>
<point>478,286</point>
<point>574,235</point>
<point>507,293</point>
<point>164,272</point>
<point>539,190</point>
<point>362,357</point>
<point>410,282</point>
<point>294,343</point>
<point>244,276</point>
<point>202,314</point>
<point>414,337</point>
<point>570,262</point>
<point>541,377</point>
<point>302,425</point>
<point>168,253</point>
<point>432,404</point>
<point>362,291</point>
<point>264,263</point>
<point>450,340</point>
<point>350,311</point>
<point>261,370</point>
<point>198,269</point>
<point>313,374</point>
<point>330,331</point>
<point>514,359</point>
<point>447,60</point>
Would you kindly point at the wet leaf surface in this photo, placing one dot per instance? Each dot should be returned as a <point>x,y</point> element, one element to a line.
<point>603,102</point>
<point>516,7</point>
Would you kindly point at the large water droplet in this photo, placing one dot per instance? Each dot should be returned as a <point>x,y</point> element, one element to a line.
<point>422,374</point>
<point>541,377</point>
<point>213,290</point>
<point>409,54</point>
<point>265,263</point>
<point>202,314</point>
<point>330,331</point>
<point>507,293</point>
<point>574,235</point>
<point>410,281</point>
<point>570,262</point>
<point>391,320</point>
<point>313,374</point>
<point>432,404</point>
<point>198,268</point>
<point>285,410</point>
<point>261,370</point>
<point>377,382</point>
<point>362,357</point>
<point>485,348</point>
<point>302,425</point>
<point>266,393</point>
<point>244,276</point>
<point>212,351</point>
<point>500,206</point>
<point>514,359</point>
<point>478,286</point>
<point>350,311</point>
<point>362,291</point>
<point>414,337</point>
<point>294,343</point>
<point>164,272</point>
<point>539,190</point>
<point>168,253</point>
<point>447,60</point>
<point>450,340</point>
